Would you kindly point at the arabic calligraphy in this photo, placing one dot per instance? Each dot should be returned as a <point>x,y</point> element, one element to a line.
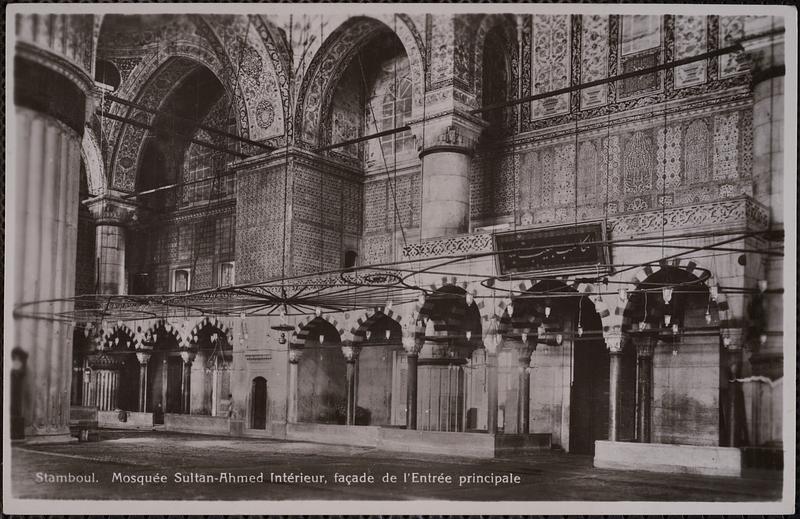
<point>550,249</point>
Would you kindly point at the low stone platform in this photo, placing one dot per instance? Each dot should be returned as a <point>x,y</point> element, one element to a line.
<point>397,439</point>
<point>129,420</point>
<point>658,457</point>
<point>471,444</point>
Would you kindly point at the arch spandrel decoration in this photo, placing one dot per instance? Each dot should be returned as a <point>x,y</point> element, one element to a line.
<point>508,27</point>
<point>93,161</point>
<point>302,329</point>
<point>356,333</point>
<point>332,59</point>
<point>260,111</point>
<point>687,265</point>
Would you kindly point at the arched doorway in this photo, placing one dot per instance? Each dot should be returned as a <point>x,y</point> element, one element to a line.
<point>321,375</point>
<point>258,403</point>
<point>164,373</point>
<point>673,327</point>
<point>452,334</point>
<point>379,400</point>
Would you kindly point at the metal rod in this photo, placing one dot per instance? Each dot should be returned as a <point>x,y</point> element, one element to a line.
<point>736,47</point>
<point>649,70</point>
<point>672,64</point>
<point>145,126</point>
<point>364,138</point>
<point>188,120</point>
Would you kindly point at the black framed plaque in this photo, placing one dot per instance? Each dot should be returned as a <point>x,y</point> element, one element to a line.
<point>553,250</point>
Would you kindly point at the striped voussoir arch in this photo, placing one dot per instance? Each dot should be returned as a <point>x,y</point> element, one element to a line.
<point>210,321</point>
<point>357,332</point>
<point>154,328</point>
<point>601,305</point>
<point>302,330</point>
<point>642,274</point>
<point>455,318</point>
<point>107,334</point>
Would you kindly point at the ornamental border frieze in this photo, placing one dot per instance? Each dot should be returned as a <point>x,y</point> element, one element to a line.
<point>527,141</point>
<point>329,167</point>
<point>228,207</point>
<point>742,212</point>
<point>465,244</point>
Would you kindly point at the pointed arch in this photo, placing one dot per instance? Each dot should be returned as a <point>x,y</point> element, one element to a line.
<point>333,58</point>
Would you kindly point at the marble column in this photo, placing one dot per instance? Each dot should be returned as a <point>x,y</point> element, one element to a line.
<point>412,344</point>
<point>143,358</point>
<point>492,342</point>
<point>522,350</point>
<point>446,158</point>
<point>111,214</point>
<point>733,341</point>
<point>294,358</point>
<point>351,353</point>
<point>766,56</point>
<point>186,381</point>
<point>645,345</point>
<point>50,105</point>
<point>614,343</point>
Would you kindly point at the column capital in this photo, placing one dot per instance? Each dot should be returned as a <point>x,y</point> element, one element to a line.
<point>645,345</point>
<point>350,352</point>
<point>732,338</point>
<point>453,132</point>
<point>188,356</point>
<point>111,209</point>
<point>615,341</point>
<point>103,361</point>
<point>295,354</point>
<point>143,357</point>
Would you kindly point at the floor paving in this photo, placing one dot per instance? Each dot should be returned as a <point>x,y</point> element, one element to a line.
<point>122,462</point>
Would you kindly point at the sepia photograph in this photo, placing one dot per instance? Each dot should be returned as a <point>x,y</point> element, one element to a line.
<point>426,258</point>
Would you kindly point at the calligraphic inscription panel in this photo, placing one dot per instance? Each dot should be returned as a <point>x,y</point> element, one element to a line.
<point>553,249</point>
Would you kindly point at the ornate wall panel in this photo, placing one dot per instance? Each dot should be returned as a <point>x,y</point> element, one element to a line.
<point>439,38</point>
<point>731,29</point>
<point>591,175</point>
<point>640,48</point>
<point>697,157</point>
<point>726,141</point>
<point>690,40</point>
<point>259,224</point>
<point>551,63</point>
<point>594,59</point>
<point>638,164</point>
<point>668,157</point>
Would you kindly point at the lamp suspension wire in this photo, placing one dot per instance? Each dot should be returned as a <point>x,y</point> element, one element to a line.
<point>206,219</point>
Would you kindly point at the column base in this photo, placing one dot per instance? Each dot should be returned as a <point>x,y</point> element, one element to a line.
<point>32,438</point>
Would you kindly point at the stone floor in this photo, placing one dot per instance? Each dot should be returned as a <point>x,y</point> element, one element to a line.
<point>547,476</point>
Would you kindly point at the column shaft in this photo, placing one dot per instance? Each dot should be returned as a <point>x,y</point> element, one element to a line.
<point>645,390</point>
<point>143,388</point>
<point>351,393</point>
<point>186,387</point>
<point>110,259</point>
<point>45,180</point>
<point>734,387</point>
<point>491,389</point>
<point>411,388</point>
<point>292,414</point>
<point>614,375</point>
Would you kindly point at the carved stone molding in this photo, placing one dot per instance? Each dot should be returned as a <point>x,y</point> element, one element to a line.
<point>109,209</point>
<point>448,246</point>
<point>742,213</point>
